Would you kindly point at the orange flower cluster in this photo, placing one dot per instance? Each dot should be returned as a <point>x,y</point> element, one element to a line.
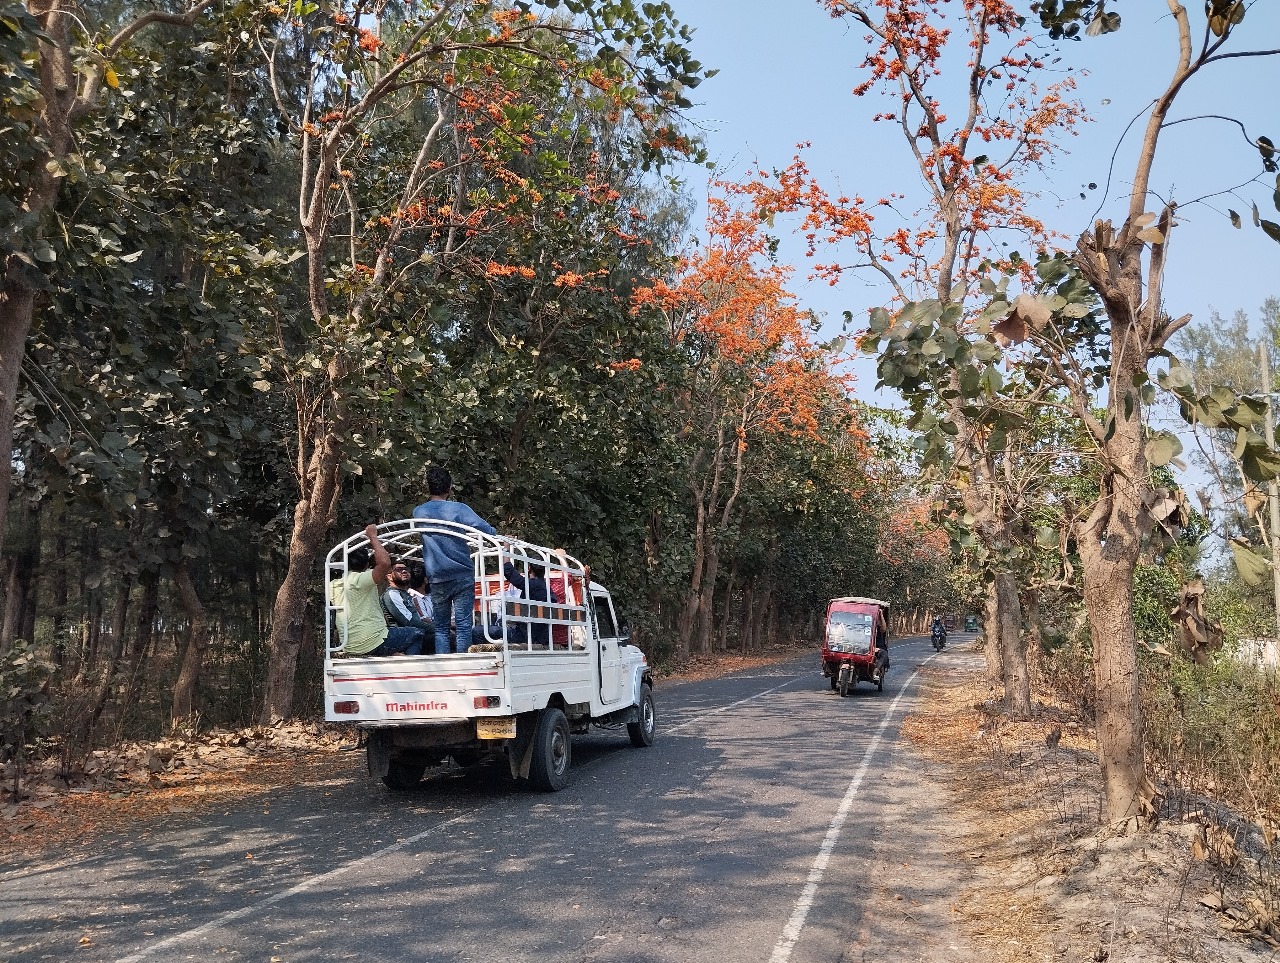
<point>731,296</point>
<point>495,270</point>
<point>968,195</point>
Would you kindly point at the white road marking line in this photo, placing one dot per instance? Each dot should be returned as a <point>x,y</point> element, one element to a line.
<point>733,704</point>
<point>791,932</point>
<point>305,885</point>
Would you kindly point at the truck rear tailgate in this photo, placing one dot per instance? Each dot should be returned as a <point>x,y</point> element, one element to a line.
<point>414,688</point>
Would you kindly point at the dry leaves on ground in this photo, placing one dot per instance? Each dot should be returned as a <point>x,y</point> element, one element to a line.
<point>1048,885</point>
<point>139,781</point>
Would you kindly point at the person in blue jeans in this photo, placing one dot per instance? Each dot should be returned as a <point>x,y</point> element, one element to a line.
<point>448,562</point>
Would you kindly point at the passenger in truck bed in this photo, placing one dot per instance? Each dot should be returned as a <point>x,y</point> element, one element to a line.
<point>534,589</point>
<point>356,595</point>
<point>448,561</point>
<point>399,604</point>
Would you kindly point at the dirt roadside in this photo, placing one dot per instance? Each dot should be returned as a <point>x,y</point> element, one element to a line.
<point>1047,885</point>
<point>1044,884</point>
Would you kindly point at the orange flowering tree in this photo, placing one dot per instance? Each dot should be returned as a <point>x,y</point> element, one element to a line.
<point>963,85</point>
<point>417,128</point>
<point>753,371</point>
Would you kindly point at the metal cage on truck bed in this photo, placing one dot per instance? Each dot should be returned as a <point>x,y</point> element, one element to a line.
<point>403,540</point>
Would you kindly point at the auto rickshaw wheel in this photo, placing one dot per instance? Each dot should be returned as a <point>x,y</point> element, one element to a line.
<point>846,680</point>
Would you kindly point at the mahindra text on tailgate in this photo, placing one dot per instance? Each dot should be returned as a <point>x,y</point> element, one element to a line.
<point>414,689</point>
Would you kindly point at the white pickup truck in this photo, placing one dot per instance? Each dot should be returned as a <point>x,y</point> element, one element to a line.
<point>544,670</point>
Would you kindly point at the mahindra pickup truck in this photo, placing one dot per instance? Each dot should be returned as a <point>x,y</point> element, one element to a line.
<point>540,671</point>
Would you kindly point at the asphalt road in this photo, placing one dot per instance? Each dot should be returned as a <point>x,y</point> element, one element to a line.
<point>771,821</point>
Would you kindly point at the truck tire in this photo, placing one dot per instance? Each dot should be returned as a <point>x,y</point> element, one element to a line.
<point>642,730</point>
<point>552,752</point>
<point>403,775</point>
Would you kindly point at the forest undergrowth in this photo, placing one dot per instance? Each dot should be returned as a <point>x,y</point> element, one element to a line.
<point>1202,885</point>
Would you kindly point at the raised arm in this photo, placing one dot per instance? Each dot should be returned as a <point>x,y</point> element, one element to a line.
<point>381,560</point>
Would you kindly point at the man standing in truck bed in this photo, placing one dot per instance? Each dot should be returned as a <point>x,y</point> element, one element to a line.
<point>448,560</point>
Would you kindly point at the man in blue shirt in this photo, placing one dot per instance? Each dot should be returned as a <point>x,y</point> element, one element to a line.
<point>448,560</point>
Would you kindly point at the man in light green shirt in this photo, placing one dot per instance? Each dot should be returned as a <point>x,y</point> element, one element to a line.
<point>357,598</point>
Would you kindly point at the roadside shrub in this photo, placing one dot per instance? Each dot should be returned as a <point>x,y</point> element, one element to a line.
<point>24,685</point>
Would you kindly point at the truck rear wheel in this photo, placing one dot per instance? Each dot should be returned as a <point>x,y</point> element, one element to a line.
<point>642,730</point>
<point>403,775</point>
<point>552,752</point>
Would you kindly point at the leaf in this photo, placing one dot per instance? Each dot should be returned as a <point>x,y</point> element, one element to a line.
<point>1253,568</point>
<point>1235,218</point>
<point>1151,235</point>
<point>111,79</point>
<point>1179,376</point>
<point>1012,330</point>
<point>1142,220</point>
<point>1272,230</point>
<point>1162,449</point>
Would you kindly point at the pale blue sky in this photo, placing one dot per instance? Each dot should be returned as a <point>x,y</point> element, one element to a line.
<point>786,71</point>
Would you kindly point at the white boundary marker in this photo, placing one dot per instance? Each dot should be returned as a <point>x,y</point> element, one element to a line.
<point>791,932</point>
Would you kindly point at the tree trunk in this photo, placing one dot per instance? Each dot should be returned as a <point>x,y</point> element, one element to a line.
<point>107,677</point>
<point>1108,599</point>
<point>184,690</point>
<point>722,640</point>
<point>60,595</point>
<point>689,612</point>
<point>17,307</point>
<point>144,632</point>
<point>705,627</point>
<point>1013,651</point>
<point>20,585</point>
<point>991,636</point>
<point>313,517</point>
<point>1110,542</point>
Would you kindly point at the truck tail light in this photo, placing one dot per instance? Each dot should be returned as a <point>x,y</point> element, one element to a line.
<point>487,702</point>
<point>350,708</point>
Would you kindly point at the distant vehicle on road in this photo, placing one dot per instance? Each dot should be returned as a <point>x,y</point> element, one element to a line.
<point>855,643</point>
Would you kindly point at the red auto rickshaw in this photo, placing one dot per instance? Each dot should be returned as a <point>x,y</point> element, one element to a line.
<point>855,644</point>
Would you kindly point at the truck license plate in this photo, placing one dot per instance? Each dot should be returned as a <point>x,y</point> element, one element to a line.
<point>497,727</point>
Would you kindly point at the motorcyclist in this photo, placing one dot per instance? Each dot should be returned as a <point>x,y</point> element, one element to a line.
<point>938,630</point>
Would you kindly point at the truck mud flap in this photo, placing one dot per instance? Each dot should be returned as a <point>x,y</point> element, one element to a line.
<point>520,749</point>
<point>378,753</point>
